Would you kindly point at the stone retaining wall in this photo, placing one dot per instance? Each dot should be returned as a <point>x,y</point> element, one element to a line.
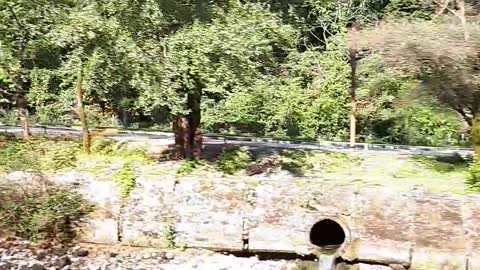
<point>415,230</point>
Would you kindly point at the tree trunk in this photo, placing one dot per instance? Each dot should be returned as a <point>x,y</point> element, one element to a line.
<point>23,115</point>
<point>463,18</point>
<point>353,121</point>
<point>21,103</point>
<point>476,134</point>
<point>195,133</point>
<point>81,114</point>
<point>353,86</point>
<point>181,134</point>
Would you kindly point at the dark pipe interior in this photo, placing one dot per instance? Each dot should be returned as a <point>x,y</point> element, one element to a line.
<point>327,233</point>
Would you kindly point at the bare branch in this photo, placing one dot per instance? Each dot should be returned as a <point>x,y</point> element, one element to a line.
<point>465,116</point>
<point>443,7</point>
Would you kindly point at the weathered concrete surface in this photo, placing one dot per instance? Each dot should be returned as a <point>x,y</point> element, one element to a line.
<point>214,207</point>
<point>287,210</point>
<point>363,266</point>
<point>190,213</point>
<point>415,229</point>
<point>102,225</point>
<point>471,223</point>
<point>146,215</point>
<point>439,235</point>
<point>383,224</point>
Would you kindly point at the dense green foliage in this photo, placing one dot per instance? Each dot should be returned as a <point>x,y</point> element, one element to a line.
<point>41,215</point>
<point>258,67</point>
<point>39,154</point>
<point>188,166</point>
<point>473,178</point>
<point>234,159</point>
<point>42,155</point>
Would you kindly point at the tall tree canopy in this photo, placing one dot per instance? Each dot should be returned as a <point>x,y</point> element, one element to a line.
<point>253,67</point>
<point>23,26</point>
<point>443,56</point>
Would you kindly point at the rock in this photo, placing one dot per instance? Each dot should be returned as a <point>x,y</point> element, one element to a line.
<point>169,256</point>
<point>30,266</point>
<point>161,255</point>
<point>94,267</point>
<point>81,252</point>
<point>41,254</point>
<point>22,244</point>
<point>77,264</point>
<point>397,267</point>
<point>59,250</point>
<point>113,254</point>
<point>61,262</point>
<point>5,266</point>
<point>362,266</point>
<point>36,266</point>
<point>23,266</point>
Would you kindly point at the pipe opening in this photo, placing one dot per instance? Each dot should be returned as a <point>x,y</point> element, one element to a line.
<point>327,234</point>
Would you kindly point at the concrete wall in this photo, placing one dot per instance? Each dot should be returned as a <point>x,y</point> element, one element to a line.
<point>415,229</point>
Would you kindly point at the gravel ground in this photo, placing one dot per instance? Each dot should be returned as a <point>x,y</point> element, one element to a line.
<point>20,255</point>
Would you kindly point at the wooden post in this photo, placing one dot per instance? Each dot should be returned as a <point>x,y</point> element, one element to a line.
<point>23,115</point>
<point>353,86</point>
<point>81,113</point>
<point>21,103</point>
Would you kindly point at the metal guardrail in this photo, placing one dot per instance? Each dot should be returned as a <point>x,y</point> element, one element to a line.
<point>259,142</point>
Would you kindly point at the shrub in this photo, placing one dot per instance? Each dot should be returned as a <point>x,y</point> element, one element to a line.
<point>125,177</point>
<point>425,126</point>
<point>188,166</point>
<point>41,215</point>
<point>442,164</point>
<point>295,162</point>
<point>103,146</point>
<point>60,155</point>
<point>18,155</point>
<point>111,148</point>
<point>234,160</point>
<point>38,154</point>
<point>473,178</point>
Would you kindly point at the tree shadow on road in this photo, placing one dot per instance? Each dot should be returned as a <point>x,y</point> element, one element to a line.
<point>253,160</point>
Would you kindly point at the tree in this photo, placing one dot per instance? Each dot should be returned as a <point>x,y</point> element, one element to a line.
<point>85,35</point>
<point>441,58</point>
<point>23,26</point>
<point>457,8</point>
<point>210,60</point>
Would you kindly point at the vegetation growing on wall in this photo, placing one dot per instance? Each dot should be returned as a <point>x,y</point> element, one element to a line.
<point>125,177</point>
<point>39,214</point>
<point>473,178</point>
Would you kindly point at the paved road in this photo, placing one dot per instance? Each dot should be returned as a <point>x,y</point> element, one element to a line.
<point>165,138</point>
